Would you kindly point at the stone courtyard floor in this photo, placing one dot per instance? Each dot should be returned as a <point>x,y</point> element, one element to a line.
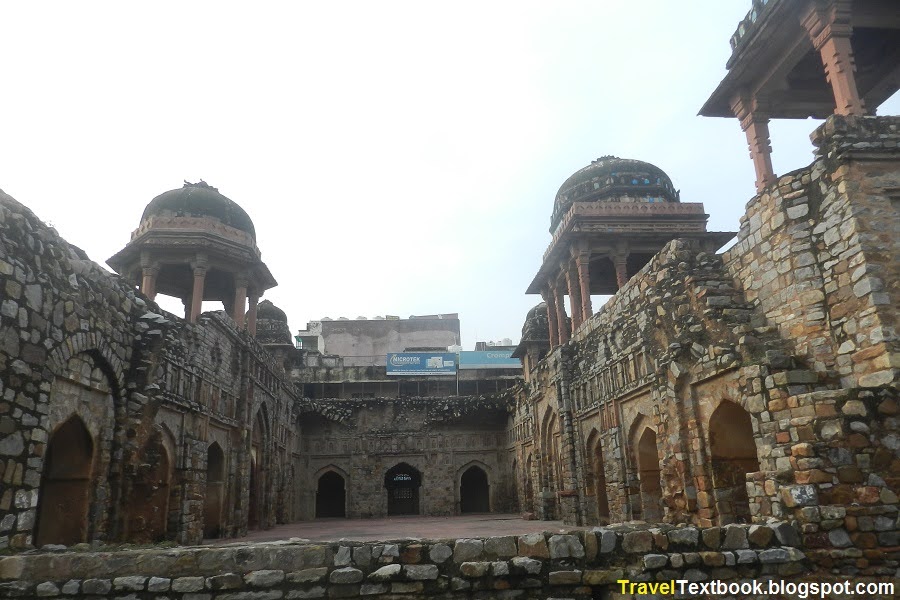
<point>402,527</point>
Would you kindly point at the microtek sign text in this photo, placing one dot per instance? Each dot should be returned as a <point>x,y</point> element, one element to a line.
<point>421,363</point>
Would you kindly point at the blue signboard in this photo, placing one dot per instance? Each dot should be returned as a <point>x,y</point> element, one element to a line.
<point>421,363</point>
<point>492,359</point>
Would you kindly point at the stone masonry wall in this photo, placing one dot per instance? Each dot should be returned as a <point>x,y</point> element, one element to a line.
<point>362,439</point>
<point>82,351</point>
<point>795,325</point>
<point>572,565</point>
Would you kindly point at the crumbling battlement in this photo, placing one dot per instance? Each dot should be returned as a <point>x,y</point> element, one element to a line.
<point>534,566</point>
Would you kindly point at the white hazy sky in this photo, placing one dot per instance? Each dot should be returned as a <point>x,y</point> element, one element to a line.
<point>396,157</point>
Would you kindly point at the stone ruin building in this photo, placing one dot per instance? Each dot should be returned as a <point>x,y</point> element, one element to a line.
<point>755,385</point>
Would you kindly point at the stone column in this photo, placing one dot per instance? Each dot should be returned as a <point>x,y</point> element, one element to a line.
<point>197,293</point>
<point>550,301</point>
<point>240,301</point>
<point>574,294</point>
<point>830,33</point>
<point>583,262</point>
<point>251,313</point>
<point>620,262</point>
<point>148,282</point>
<point>756,128</point>
<point>561,323</point>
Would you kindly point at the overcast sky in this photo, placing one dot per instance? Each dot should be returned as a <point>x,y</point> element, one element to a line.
<point>396,157</point>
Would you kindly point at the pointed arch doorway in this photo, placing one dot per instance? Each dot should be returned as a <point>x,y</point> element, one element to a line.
<point>402,483</point>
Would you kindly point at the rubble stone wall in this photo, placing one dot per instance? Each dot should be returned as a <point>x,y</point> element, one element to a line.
<point>439,437</point>
<point>573,565</point>
<point>141,393</point>
<point>787,342</point>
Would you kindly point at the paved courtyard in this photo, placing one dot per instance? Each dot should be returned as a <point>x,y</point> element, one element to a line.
<point>403,527</point>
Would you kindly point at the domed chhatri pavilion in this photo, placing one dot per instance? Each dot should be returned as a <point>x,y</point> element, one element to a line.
<point>195,244</point>
<point>608,220</point>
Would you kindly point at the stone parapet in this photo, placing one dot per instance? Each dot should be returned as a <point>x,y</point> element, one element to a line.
<point>573,564</point>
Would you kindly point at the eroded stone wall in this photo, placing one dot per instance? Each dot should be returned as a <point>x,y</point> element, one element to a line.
<point>576,564</point>
<point>787,343</point>
<point>109,406</point>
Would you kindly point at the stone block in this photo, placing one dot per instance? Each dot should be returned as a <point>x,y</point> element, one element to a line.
<point>500,547</point>
<point>602,576</point>
<point>735,537</point>
<point>786,534</point>
<point>712,537</point>
<point>188,584</point>
<point>572,577</point>
<point>467,550</point>
<point>160,584</point>
<point>385,573</point>
<point>132,583</point>
<point>346,575</point>
<point>759,535</point>
<point>225,581</point>
<point>474,569</point>
<point>421,572</point>
<point>655,561</point>
<point>637,542</point>
<point>263,578</point>
<point>532,545</point>
<point>373,589</point>
<point>439,553</point>
<point>527,565</point>
<point>565,546</point>
<point>684,536</point>
<point>313,592</point>
<point>96,587</point>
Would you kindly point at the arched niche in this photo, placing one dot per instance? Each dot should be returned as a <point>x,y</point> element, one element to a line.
<point>732,450</point>
<point>214,499</point>
<point>148,509</point>
<point>649,474</point>
<point>65,492</point>
<point>597,480</point>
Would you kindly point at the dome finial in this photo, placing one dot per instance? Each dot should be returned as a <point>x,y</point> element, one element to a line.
<point>200,184</point>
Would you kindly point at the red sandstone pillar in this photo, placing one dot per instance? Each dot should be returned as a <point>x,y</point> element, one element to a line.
<point>830,33</point>
<point>837,56</point>
<point>583,262</point>
<point>757,130</point>
<point>620,262</point>
<point>251,314</point>
<point>240,302</point>
<point>148,283</point>
<point>197,293</point>
<point>550,301</point>
<point>561,323</point>
<point>574,294</point>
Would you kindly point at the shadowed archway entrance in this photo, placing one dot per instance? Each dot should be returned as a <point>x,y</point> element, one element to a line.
<point>65,494</point>
<point>402,483</point>
<point>215,491</point>
<point>331,496</point>
<point>733,455</point>
<point>649,472</point>
<point>474,491</point>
